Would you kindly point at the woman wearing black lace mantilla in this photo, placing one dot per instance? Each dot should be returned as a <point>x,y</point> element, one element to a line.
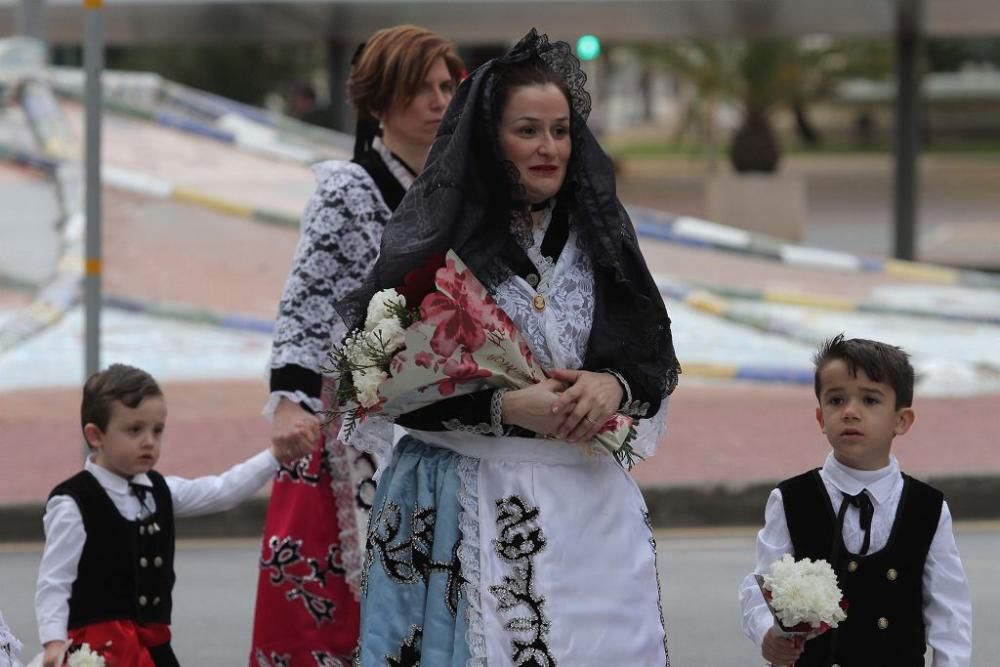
<point>497,537</point>
<point>307,594</point>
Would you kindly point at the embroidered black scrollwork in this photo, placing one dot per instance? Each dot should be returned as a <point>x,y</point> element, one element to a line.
<point>286,555</point>
<point>365,492</point>
<point>409,561</point>
<point>275,659</point>
<point>298,471</point>
<point>324,659</point>
<point>520,540</point>
<point>409,650</point>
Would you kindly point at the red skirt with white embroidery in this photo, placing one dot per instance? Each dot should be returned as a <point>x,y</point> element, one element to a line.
<point>307,610</point>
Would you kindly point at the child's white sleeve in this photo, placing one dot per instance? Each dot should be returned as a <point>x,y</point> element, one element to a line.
<point>947,602</point>
<point>215,493</point>
<point>773,542</point>
<point>64,539</point>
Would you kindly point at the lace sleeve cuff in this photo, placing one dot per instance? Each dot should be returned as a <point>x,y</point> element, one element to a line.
<point>496,412</point>
<point>628,406</point>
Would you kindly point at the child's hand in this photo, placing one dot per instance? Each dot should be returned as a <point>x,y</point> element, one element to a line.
<point>294,431</point>
<point>780,650</point>
<point>54,651</point>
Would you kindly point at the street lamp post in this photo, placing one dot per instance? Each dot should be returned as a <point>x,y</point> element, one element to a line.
<point>93,63</point>
<point>909,41</point>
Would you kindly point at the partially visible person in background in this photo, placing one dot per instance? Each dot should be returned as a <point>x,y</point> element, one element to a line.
<point>303,104</point>
<point>401,82</point>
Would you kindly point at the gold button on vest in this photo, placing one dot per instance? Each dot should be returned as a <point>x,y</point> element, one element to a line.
<point>883,623</point>
<point>852,566</point>
<point>143,562</point>
<point>892,575</point>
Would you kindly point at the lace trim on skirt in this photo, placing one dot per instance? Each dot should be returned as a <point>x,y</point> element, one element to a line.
<point>468,555</point>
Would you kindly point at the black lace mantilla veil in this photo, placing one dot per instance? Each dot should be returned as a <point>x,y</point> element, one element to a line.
<point>464,199</point>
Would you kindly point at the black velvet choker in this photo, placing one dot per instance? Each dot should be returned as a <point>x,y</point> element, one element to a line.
<point>540,206</point>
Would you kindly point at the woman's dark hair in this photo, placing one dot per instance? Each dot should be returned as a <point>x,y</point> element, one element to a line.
<point>522,75</point>
<point>117,382</point>
<point>507,81</point>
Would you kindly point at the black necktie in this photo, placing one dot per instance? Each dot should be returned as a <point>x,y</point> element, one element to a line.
<point>140,491</point>
<point>866,511</point>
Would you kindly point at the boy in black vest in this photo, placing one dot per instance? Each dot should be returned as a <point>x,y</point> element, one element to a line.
<point>107,573</point>
<point>887,535</point>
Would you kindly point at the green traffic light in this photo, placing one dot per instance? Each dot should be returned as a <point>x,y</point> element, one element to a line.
<point>588,47</point>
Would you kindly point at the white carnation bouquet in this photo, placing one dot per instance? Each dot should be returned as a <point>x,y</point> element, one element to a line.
<point>84,657</point>
<point>364,359</point>
<point>804,596</point>
<point>76,655</point>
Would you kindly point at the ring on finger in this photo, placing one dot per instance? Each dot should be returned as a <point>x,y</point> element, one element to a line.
<point>592,422</point>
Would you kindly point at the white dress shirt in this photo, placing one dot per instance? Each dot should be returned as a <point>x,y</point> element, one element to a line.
<point>947,603</point>
<point>65,535</point>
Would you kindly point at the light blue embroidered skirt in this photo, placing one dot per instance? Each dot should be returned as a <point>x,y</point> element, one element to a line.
<point>414,603</point>
<point>493,552</point>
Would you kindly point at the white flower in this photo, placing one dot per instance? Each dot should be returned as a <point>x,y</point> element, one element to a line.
<point>388,334</point>
<point>84,657</point>
<point>804,591</point>
<point>354,349</point>
<point>366,384</point>
<point>378,307</point>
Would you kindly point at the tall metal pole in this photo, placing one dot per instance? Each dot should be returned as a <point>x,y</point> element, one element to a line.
<point>93,64</point>
<point>909,43</point>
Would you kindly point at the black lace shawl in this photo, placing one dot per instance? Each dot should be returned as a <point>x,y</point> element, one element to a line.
<point>463,200</point>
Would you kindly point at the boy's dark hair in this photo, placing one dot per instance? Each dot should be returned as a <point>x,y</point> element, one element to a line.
<point>881,362</point>
<point>117,382</point>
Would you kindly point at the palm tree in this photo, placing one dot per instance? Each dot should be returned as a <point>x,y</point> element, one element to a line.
<point>760,77</point>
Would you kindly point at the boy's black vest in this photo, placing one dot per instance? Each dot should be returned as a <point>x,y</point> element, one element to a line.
<point>884,589</point>
<point>126,570</point>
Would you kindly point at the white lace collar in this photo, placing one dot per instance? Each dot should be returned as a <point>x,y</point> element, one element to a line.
<point>396,167</point>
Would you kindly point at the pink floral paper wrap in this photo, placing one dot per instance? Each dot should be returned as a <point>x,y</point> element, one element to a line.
<point>464,342</point>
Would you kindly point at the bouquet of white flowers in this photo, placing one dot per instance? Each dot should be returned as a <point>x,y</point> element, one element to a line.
<point>803,596</point>
<point>76,655</point>
<point>84,657</point>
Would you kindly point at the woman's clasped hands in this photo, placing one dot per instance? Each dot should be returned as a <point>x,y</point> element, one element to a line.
<point>587,403</point>
<point>570,405</point>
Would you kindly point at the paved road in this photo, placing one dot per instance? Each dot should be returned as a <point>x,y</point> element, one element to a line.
<point>700,571</point>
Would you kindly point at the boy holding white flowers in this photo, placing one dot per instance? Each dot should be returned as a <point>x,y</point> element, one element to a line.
<point>106,577</point>
<point>888,536</point>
